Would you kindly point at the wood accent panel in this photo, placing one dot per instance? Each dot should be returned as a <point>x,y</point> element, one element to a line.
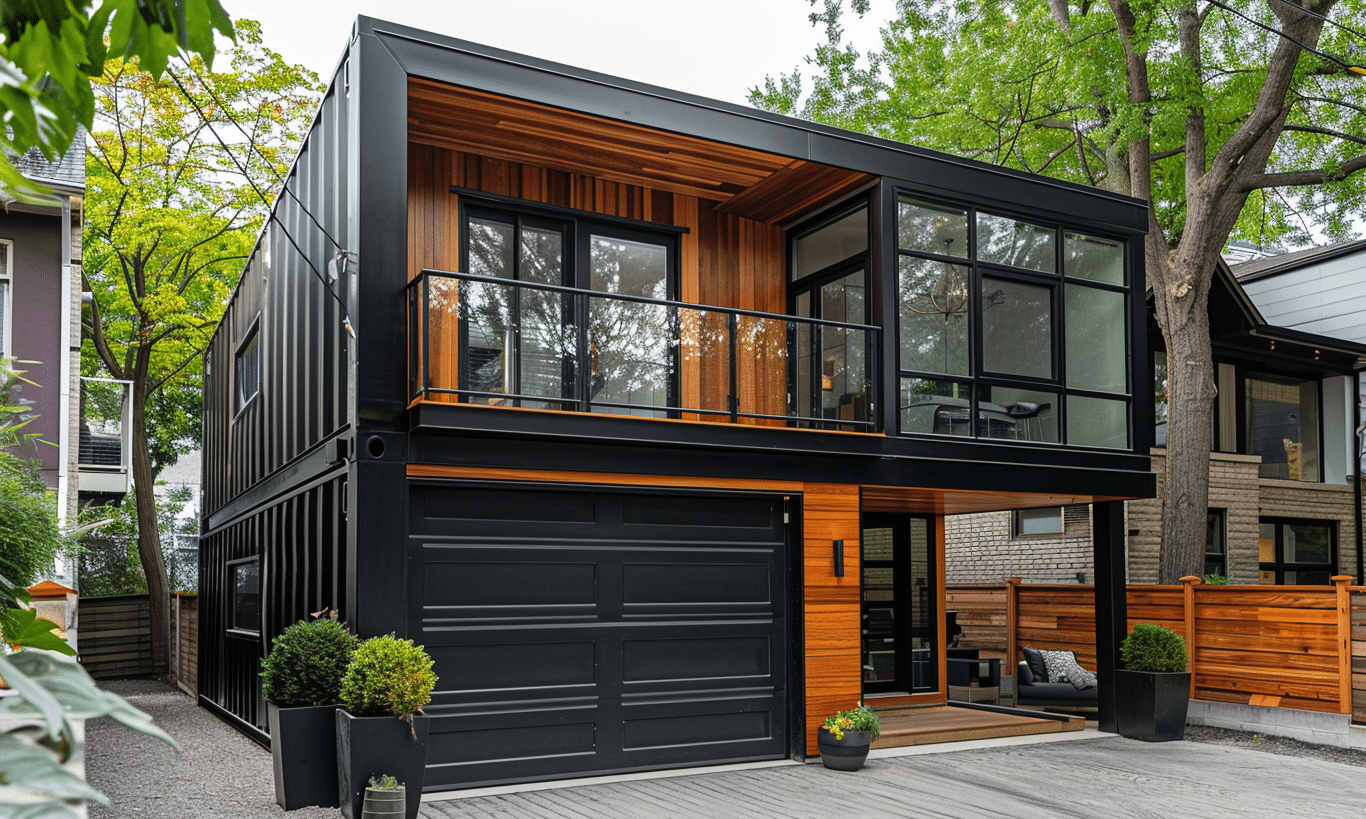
<point>795,190</point>
<point>1358,635</point>
<point>924,501</point>
<point>982,616</point>
<point>832,622</point>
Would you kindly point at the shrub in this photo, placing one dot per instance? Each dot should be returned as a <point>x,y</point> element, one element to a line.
<point>388,677</point>
<point>383,782</point>
<point>1153,648</point>
<point>1216,580</point>
<point>306,664</point>
<point>861,718</point>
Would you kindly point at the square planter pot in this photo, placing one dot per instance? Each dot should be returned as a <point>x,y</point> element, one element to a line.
<point>371,746</point>
<point>1152,706</point>
<point>303,748</point>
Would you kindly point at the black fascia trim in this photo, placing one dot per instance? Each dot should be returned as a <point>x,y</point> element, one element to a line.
<point>527,206</point>
<point>462,63</point>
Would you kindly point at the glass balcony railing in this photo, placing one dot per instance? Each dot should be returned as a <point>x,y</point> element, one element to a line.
<point>480,340</point>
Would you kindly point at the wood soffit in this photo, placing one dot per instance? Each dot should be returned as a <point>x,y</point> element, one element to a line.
<point>743,182</point>
<point>924,501</point>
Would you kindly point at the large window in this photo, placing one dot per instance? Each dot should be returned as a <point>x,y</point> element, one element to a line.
<point>989,309</point>
<point>6,297</point>
<point>521,343</point>
<point>1297,552</point>
<point>1282,422</point>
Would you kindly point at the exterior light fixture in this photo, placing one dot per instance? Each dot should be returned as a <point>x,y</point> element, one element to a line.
<point>839,558</point>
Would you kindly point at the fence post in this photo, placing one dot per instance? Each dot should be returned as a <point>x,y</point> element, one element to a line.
<point>1344,601</point>
<point>1188,584</point>
<point>1012,607</point>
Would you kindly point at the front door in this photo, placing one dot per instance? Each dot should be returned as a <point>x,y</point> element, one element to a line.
<point>900,618</point>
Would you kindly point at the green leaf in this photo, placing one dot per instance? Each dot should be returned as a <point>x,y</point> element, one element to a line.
<point>39,810</point>
<point>23,627</point>
<point>27,766</point>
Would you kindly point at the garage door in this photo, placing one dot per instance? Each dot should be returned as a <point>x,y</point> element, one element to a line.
<point>579,631</point>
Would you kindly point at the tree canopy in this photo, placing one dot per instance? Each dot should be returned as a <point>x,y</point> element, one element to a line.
<point>1233,119</point>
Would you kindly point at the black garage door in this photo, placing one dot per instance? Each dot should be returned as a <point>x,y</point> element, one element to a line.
<point>580,631</point>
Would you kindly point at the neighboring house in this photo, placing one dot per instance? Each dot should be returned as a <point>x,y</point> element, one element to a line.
<point>40,311</point>
<point>1284,504</point>
<point>654,407</point>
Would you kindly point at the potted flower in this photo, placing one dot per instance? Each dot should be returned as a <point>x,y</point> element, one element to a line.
<point>381,728</point>
<point>845,737</point>
<point>301,681</point>
<point>1152,690</point>
<point>385,797</point>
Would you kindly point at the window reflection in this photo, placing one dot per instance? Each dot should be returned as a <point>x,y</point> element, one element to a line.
<point>1017,328</point>
<point>1283,426</point>
<point>1005,241</point>
<point>933,304</point>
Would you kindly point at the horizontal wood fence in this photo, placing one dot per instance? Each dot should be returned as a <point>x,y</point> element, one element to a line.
<point>185,642</point>
<point>1284,646</point>
<point>115,636</point>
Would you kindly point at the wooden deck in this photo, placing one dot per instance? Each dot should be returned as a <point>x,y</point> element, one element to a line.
<point>903,727</point>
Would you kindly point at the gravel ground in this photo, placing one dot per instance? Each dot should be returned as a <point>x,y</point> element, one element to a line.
<point>1275,745</point>
<point>218,773</point>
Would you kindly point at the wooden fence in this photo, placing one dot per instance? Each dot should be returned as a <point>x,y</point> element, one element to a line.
<point>1285,646</point>
<point>185,642</point>
<point>115,636</point>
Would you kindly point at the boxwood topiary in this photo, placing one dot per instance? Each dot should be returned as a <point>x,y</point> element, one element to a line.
<point>306,664</point>
<point>388,677</point>
<point>1153,648</point>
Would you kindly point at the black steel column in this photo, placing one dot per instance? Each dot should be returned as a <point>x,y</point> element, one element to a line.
<point>1111,602</point>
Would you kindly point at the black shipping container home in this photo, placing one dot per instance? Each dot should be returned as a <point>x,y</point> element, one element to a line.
<point>653,408</point>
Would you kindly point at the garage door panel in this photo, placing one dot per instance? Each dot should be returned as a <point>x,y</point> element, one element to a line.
<point>504,667</point>
<point>717,659</point>
<point>479,584</point>
<point>682,513</point>
<point>699,583</point>
<point>473,506</point>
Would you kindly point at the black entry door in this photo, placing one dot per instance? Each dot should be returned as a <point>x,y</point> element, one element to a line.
<point>579,630</point>
<point>900,624</point>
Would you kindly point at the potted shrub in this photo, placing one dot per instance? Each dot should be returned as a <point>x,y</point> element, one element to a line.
<point>1152,690</point>
<point>301,681</point>
<point>380,729</point>
<point>845,737</point>
<point>384,798</point>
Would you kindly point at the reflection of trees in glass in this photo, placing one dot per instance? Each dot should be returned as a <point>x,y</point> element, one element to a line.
<point>932,228</point>
<point>1006,241</point>
<point>631,344</point>
<point>933,301</point>
<point>1017,328</point>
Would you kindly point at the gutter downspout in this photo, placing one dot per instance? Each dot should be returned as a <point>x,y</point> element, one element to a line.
<point>1360,436</point>
<point>64,385</point>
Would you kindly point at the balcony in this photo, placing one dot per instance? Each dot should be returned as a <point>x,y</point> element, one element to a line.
<point>105,452</point>
<point>496,342</point>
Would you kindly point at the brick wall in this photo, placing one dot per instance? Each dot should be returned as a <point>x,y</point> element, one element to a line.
<point>980,549</point>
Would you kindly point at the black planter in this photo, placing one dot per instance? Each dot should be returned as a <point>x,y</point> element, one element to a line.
<point>372,746</point>
<point>1152,706</point>
<point>303,748</point>
<point>845,754</point>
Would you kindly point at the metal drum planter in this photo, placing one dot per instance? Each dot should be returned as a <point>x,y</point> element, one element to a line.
<point>845,754</point>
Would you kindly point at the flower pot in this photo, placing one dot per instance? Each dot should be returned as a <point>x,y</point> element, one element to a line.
<point>845,754</point>
<point>384,804</point>
<point>373,746</point>
<point>303,749</point>
<point>1152,706</point>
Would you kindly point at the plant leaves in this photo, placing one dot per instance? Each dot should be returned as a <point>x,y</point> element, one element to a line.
<point>27,766</point>
<point>23,627</point>
<point>39,810</point>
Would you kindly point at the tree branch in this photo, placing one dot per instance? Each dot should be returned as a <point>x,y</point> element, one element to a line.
<point>1298,178</point>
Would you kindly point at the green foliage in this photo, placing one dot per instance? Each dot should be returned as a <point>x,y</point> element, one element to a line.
<point>1153,648</point>
<point>50,692</point>
<point>20,626</point>
<point>29,538</point>
<point>388,677</point>
<point>50,49</point>
<point>306,664</point>
<point>383,782</point>
<point>861,718</point>
<point>1216,580</point>
<point>108,562</point>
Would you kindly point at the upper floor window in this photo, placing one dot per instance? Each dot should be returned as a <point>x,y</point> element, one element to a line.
<point>989,307</point>
<point>6,297</point>
<point>1282,417</point>
<point>247,368</point>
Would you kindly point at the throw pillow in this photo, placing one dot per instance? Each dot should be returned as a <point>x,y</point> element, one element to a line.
<point>1063,667</point>
<point>1036,663</point>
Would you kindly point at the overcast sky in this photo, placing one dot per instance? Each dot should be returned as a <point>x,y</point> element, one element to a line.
<point>714,48</point>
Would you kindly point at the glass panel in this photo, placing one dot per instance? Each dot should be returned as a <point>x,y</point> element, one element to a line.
<point>1266,543</point>
<point>1307,578</point>
<point>1160,395</point>
<point>1005,241</point>
<point>1017,414</point>
<point>1215,549</point>
<point>704,341</point>
<point>1283,426</point>
<point>932,228</point>
<point>542,256</point>
<point>248,370</point>
<point>762,361</point>
<point>546,352</point>
<point>246,596</point>
<point>805,340</point>
<point>1033,522</point>
<point>1097,422</point>
<point>1096,337</point>
<point>633,268</point>
<point>1017,328</point>
<point>932,298</point>
<point>843,239</point>
<point>844,370</point>
<point>490,248</point>
<point>923,616</point>
<point>1094,258</point>
<point>938,407</point>
<point>631,345</point>
<point>486,313</point>
<point>1307,543</point>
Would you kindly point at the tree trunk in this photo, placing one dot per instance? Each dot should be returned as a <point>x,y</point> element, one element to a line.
<point>149,537</point>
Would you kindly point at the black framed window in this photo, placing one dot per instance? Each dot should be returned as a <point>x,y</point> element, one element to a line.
<point>1297,552</point>
<point>989,306</point>
<point>244,615</point>
<point>247,368</point>
<point>1281,421</point>
<point>1216,543</point>
<point>1036,522</point>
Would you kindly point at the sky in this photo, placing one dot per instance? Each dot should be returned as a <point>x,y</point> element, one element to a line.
<point>714,48</point>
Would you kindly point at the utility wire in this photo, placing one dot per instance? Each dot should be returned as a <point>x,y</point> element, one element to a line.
<point>1355,69</point>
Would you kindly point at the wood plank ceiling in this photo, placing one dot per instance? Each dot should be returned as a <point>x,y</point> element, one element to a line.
<point>752,184</point>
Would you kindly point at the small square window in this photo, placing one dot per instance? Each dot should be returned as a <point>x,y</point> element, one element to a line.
<point>245,616</point>
<point>1036,522</point>
<point>247,370</point>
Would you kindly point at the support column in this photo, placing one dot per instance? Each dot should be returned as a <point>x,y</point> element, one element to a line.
<point>1111,603</point>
